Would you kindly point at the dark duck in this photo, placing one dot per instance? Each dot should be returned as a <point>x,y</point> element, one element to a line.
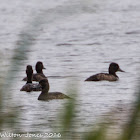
<point>45,95</point>
<point>111,76</point>
<point>29,86</point>
<point>39,75</point>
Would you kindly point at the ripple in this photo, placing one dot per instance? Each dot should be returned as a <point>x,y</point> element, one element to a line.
<point>133,32</point>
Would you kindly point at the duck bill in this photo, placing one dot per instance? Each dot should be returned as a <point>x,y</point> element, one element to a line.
<point>44,67</point>
<point>120,70</point>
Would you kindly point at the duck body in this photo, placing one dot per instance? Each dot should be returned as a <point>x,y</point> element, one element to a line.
<point>52,95</point>
<point>29,86</point>
<point>45,95</point>
<point>111,76</point>
<point>39,75</point>
<point>36,77</point>
<point>102,76</point>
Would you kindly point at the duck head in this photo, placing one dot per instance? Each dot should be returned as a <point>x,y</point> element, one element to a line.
<point>29,73</point>
<point>39,66</point>
<point>44,83</point>
<point>113,68</point>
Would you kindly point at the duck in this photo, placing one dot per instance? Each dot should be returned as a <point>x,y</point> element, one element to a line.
<point>45,95</point>
<point>111,76</point>
<point>29,86</point>
<point>39,75</point>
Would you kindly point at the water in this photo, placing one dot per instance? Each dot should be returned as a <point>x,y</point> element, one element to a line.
<point>74,39</point>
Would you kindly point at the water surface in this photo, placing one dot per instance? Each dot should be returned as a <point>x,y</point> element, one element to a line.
<point>74,39</point>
